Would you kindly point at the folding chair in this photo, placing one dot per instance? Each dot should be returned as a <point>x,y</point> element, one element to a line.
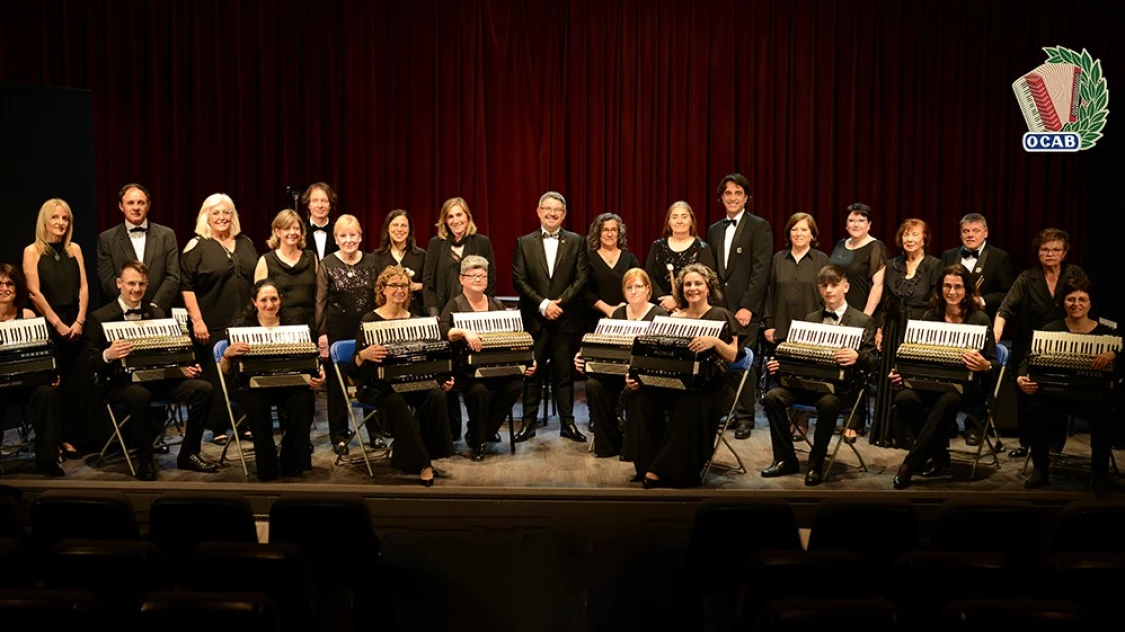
<point>742,366</point>
<point>235,424</point>
<point>172,412</point>
<point>989,423</point>
<point>24,444</point>
<point>342,351</point>
<point>848,425</point>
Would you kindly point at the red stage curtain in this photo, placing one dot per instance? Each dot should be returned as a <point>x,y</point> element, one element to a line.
<point>621,105</point>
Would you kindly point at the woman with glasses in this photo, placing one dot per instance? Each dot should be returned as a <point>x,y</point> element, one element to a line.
<point>608,262</point>
<point>422,434</point>
<point>488,399</point>
<point>345,291</point>
<point>1035,300</point>
<point>397,248</point>
<point>218,271</point>
<point>677,249</point>
<point>606,395</point>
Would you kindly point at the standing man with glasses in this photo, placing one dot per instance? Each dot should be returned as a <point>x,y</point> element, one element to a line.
<point>138,239</point>
<point>549,271</point>
<point>743,245</point>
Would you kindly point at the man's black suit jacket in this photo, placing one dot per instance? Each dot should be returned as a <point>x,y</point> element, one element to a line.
<point>994,269</point>
<point>95,335</point>
<point>745,278</point>
<point>534,284</point>
<point>162,257</point>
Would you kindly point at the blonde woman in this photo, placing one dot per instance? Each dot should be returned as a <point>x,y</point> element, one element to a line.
<point>292,267</point>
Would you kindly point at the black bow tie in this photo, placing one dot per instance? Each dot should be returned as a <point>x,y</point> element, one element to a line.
<point>550,235</point>
<point>314,228</point>
<point>731,221</point>
<point>828,314</point>
<point>138,229</point>
<point>970,254</point>
<point>130,312</point>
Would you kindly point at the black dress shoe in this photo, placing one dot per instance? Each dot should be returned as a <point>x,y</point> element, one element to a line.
<point>526,431</point>
<point>652,483</point>
<point>570,431</point>
<point>146,472</point>
<point>1018,453</point>
<point>478,453</point>
<point>341,448</point>
<point>426,482</point>
<point>781,468</point>
<point>1038,480</point>
<point>196,463</point>
<point>937,465</point>
<point>972,438</point>
<point>495,438</point>
<point>813,477</point>
<point>52,470</point>
<point>902,479</point>
<point>742,431</point>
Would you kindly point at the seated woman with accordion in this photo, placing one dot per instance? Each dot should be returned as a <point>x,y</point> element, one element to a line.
<point>39,389</point>
<point>424,434</point>
<point>606,395</point>
<point>1070,372</point>
<point>264,311</point>
<point>676,428</point>
<point>488,398</point>
<point>946,361</point>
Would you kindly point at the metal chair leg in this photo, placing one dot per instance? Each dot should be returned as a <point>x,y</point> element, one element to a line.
<point>721,439</point>
<point>843,433</point>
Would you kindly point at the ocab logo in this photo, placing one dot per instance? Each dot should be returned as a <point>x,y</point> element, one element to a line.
<point>1065,102</point>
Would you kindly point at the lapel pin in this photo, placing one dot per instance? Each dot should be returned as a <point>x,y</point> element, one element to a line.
<point>738,250</point>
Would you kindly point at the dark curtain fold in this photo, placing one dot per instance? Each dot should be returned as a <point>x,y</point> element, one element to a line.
<point>621,105</point>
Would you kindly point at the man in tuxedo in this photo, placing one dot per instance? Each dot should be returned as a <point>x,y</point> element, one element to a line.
<point>743,245</point>
<point>549,271</point>
<point>989,267</point>
<point>139,240</point>
<point>320,199</point>
<point>132,283</point>
<point>832,281</point>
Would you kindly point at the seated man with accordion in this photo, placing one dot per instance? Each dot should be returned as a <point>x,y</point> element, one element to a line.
<point>404,363</point>
<point>28,376</point>
<point>1072,370</point>
<point>274,363</point>
<point>494,353</point>
<point>946,361</point>
<point>678,372</point>
<point>140,357</point>
<point>821,362</point>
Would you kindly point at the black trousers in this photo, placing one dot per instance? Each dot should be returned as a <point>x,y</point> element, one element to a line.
<point>338,422</point>
<point>931,416</point>
<point>676,431</point>
<point>605,396</point>
<point>137,400</point>
<point>558,347</point>
<point>1046,418</point>
<point>45,402</point>
<point>744,411</point>
<point>418,436</point>
<point>297,402</point>
<point>488,401</point>
<point>828,405</point>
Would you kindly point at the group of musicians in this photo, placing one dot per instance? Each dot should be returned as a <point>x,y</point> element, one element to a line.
<point>315,274</point>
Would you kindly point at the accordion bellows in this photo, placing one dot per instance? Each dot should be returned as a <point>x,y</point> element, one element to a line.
<point>1049,97</point>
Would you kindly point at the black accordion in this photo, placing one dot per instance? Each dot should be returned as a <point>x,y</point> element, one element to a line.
<point>505,348</point>
<point>807,358</point>
<point>661,358</point>
<point>160,349</point>
<point>417,358</point>
<point>278,356</point>
<point>27,356</point>
<point>608,350</point>
<point>1061,364</point>
<point>930,357</point>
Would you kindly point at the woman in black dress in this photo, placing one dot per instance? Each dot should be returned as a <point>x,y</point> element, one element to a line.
<point>419,436</point>
<point>1046,415</point>
<point>488,399</point>
<point>907,286</point>
<point>345,291</point>
<point>608,262</point>
<point>397,248</point>
<point>218,270</point>
<point>676,429</point>
<point>677,249</point>
<point>56,282</point>
<point>44,400</point>
<point>606,395</point>
<point>930,415</point>
<point>1034,300</point>
<point>291,267</point>
<point>792,290</point>
<point>265,310</point>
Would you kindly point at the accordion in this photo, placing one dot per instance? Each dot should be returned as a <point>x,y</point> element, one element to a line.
<point>417,357</point>
<point>929,358</point>
<point>1061,364</point>
<point>27,357</point>
<point>160,349</point>
<point>278,356</point>
<point>505,348</point>
<point>607,351</point>
<point>807,358</point>
<point>661,357</point>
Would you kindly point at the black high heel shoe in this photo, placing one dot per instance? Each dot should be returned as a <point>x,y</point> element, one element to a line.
<point>652,483</point>
<point>902,479</point>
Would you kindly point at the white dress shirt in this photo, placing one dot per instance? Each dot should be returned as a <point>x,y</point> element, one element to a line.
<point>728,236</point>
<point>138,238</point>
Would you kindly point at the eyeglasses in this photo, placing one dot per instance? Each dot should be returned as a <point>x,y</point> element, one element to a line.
<point>398,286</point>
<point>475,277</point>
<point>610,231</point>
<point>7,284</point>
<point>552,210</point>
<point>638,287</point>
<point>1052,251</point>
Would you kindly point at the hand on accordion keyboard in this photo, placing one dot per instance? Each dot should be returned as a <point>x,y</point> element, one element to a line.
<point>846,357</point>
<point>237,349</point>
<point>1102,360</point>
<point>373,353</point>
<point>699,344</point>
<point>472,339</point>
<point>1026,385</point>
<point>118,349</point>
<point>974,361</point>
